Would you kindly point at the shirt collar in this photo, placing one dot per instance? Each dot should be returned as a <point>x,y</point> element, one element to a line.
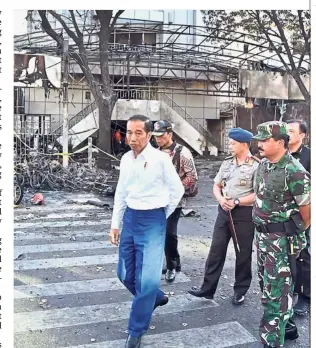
<point>247,160</point>
<point>146,152</point>
<point>282,162</point>
<point>298,151</point>
<point>171,148</point>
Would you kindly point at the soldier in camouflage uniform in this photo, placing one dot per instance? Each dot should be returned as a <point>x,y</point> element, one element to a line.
<point>282,205</point>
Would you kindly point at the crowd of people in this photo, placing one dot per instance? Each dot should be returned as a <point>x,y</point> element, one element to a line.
<point>266,201</point>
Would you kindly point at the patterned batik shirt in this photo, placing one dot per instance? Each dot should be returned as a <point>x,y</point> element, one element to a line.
<point>187,170</point>
<point>280,188</point>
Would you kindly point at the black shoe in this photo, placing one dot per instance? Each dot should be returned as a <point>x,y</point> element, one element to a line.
<point>178,269</point>
<point>162,302</point>
<point>301,307</point>
<point>133,342</point>
<point>291,331</point>
<point>201,293</point>
<point>238,299</point>
<point>170,275</point>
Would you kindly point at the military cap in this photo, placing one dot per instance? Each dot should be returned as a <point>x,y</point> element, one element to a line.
<point>161,127</point>
<point>240,135</point>
<point>270,129</point>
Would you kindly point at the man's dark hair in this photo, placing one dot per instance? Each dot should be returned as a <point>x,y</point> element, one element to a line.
<point>302,125</point>
<point>148,126</point>
<point>283,137</point>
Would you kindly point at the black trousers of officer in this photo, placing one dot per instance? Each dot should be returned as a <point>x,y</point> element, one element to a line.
<point>242,217</point>
<point>303,270</point>
<point>171,245</point>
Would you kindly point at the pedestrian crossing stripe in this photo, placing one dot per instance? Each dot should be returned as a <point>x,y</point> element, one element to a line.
<point>65,262</point>
<point>215,336</point>
<point>61,224</point>
<point>52,235</point>
<point>76,287</point>
<point>55,318</point>
<point>45,248</point>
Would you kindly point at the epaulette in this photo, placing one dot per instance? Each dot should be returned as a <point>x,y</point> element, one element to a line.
<point>228,157</point>
<point>256,159</point>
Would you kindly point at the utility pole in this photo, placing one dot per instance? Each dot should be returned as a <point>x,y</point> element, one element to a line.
<point>65,102</point>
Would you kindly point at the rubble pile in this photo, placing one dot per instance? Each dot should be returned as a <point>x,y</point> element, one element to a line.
<point>44,172</point>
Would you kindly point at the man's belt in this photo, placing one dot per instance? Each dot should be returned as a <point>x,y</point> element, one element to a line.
<point>270,228</point>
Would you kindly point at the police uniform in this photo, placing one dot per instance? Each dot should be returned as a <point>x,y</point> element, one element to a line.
<point>236,180</point>
<point>281,188</point>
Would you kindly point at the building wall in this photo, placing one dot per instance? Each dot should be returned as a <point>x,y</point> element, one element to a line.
<point>36,103</point>
<point>200,107</point>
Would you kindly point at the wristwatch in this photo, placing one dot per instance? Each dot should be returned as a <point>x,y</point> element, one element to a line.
<point>236,201</point>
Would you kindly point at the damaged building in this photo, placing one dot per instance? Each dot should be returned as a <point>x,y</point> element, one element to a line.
<point>163,64</point>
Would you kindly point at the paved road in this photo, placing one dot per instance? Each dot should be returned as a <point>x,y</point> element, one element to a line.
<point>67,293</point>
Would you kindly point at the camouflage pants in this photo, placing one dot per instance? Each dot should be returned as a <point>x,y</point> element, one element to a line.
<point>276,285</point>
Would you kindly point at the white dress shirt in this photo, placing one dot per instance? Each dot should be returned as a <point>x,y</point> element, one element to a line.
<point>147,182</point>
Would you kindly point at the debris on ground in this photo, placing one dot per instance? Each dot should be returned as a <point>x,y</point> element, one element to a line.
<point>38,199</point>
<point>44,172</point>
<point>20,257</point>
<point>190,213</point>
<point>43,303</point>
<point>98,204</point>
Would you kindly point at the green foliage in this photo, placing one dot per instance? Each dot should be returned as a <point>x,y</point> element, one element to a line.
<point>256,25</point>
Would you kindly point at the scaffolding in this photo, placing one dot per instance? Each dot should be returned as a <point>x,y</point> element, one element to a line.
<point>153,53</point>
<point>154,60</point>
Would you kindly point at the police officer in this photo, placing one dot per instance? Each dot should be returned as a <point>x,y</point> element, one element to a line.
<point>233,189</point>
<point>183,161</point>
<point>281,214</point>
<point>297,130</point>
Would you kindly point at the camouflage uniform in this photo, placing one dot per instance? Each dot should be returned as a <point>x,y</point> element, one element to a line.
<point>280,188</point>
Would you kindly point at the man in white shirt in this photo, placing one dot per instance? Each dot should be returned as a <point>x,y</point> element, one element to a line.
<point>148,191</point>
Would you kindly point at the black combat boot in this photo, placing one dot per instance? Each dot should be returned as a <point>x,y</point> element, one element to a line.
<point>302,305</point>
<point>291,330</point>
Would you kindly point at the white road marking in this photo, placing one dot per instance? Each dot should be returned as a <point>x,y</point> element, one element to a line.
<point>220,336</point>
<point>65,317</point>
<point>65,262</point>
<point>76,287</point>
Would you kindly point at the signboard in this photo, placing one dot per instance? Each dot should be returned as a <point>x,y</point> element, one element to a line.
<point>37,70</point>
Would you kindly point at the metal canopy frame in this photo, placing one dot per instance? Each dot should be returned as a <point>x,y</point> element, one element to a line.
<point>218,63</point>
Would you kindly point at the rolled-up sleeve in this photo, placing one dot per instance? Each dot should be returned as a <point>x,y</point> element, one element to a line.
<point>119,198</point>
<point>174,184</point>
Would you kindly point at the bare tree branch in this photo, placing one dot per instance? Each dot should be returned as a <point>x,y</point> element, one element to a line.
<point>300,20</point>
<point>65,26</point>
<point>48,28</point>
<point>302,57</point>
<point>73,18</point>
<point>271,42</point>
<point>285,43</point>
<point>118,13</point>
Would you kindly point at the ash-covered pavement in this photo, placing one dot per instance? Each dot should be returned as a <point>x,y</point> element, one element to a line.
<point>67,293</point>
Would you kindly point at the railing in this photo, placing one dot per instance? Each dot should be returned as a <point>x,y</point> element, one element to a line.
<point>78,117</point>
<point>143,94</point>
<point>186,116</point>
<point>139,94</point>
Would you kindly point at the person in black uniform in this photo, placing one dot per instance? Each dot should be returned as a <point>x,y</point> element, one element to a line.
<point>234,190</point>
<point>297,130</point>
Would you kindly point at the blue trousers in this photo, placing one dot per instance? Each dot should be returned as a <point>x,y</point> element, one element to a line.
<point>141,253</point>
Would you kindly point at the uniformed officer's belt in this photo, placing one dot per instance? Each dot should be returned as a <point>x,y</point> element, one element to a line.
<point>270,228</point>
